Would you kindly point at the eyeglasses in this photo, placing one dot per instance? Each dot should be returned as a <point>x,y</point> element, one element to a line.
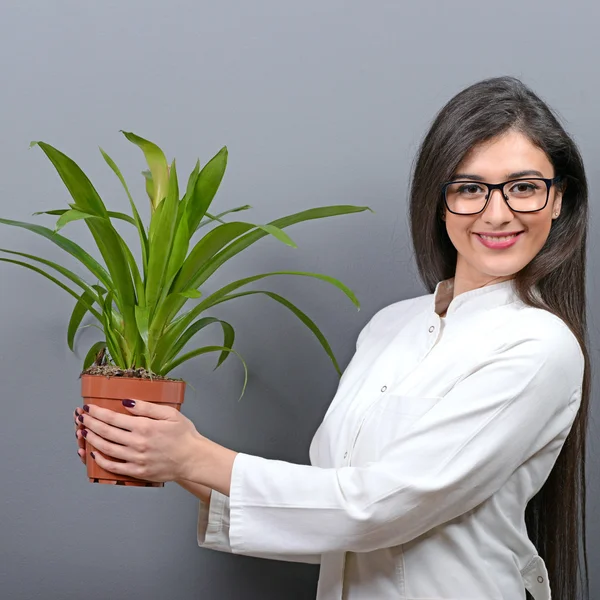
<point>521,195</point>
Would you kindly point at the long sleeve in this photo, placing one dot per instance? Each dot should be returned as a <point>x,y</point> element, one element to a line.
<point>213,532</point>
<point>519,400</point>
<point>214,520</point>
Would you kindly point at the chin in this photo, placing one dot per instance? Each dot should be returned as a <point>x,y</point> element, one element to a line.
<point>500,270</point>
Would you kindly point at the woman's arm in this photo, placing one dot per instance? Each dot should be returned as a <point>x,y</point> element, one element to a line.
<point>518,402</point>
<point>201,492</point>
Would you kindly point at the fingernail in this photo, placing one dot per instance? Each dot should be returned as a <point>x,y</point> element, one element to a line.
<point>86,408</point>
<point>129,403</point>
<point>84,433</point>
<point>80,418</point>
<point>93,455</point>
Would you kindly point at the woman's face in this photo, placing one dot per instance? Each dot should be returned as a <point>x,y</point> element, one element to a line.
<point>483,256</point>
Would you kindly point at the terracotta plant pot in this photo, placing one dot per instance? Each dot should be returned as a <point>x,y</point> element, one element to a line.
<point>109,392</point>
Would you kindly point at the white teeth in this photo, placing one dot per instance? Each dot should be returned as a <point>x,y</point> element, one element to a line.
<point>503,238</point>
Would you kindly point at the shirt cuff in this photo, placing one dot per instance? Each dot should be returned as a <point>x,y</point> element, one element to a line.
<point>213,523</point>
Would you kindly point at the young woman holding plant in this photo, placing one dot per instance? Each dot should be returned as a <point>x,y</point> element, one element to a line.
<point>450,464</point>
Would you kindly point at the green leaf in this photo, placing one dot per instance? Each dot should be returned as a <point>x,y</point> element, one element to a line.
<point>149,187</point>
<point>179,250</point>
<point>206,248</point>
<point>208,183</point>
<point>189,191</point>
<point>80,187</point>
<point>137,221</point>
<point>281,235</point>
<point>191,293</point>
<point>59,283</point>
<point>162,243</point>
<point>212,219</point>
<point>228,339</point>
<point>154,221</point>
<point>60,269</point>
<point>56,212</point>
<point>72,215</point>
<point>158,165</point>
<point>301,315</point>
<point>205,350</point>
<point>91,355</point>
<point>86,299</point>
<point>62,211</point>
<point>114,337</point>
<point>210,300</point>
<point>253,236</point>
<point>167,337</point>
<point>68,246</point>
<point>107,239</point>
<point>142,318</point>
<point>135,274</point>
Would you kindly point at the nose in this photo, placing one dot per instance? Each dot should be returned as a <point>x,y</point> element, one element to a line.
<point>497,212</point>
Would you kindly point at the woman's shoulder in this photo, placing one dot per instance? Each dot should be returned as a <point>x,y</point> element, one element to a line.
<point>546,336</point>
<point>402,309</point>
<point>393,315</point>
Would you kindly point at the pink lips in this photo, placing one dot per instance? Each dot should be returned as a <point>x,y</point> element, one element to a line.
<point>497,241</point>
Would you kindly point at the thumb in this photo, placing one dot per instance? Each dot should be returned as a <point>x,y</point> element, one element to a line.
<point>149,409</point>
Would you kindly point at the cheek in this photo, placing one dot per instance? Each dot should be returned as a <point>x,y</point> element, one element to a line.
<point>538,229</point>
<point>459,230</point>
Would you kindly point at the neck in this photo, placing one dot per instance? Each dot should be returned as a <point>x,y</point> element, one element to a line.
<point>466,280</point>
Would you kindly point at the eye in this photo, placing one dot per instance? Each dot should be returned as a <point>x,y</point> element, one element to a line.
<point>523,188</point>
<point>470,189</point>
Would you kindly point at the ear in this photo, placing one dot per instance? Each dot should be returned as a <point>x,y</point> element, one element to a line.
<point>557,205</point>
<point>558,196</point>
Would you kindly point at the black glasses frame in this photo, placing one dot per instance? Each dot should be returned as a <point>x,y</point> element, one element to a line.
<point>500,186</point>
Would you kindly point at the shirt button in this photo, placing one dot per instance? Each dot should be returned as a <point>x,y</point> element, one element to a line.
<point>384,388</point>
<point>431,329</point>
<point>345,455</point>
<point>540,579</point>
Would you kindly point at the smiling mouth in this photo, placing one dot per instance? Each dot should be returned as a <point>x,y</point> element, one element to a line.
<point>496,237</point>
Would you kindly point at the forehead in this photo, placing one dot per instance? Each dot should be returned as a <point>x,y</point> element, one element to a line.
<point>509,153</point>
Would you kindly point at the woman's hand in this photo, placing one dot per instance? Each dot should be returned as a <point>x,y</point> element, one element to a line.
<point>80,439</point>
<point>156,442</point>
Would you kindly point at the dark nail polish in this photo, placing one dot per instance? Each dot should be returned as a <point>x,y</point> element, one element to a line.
<point>93,455</point>
<point>80,418</point>
<point>129,403</point>
<point>86,408</point>
<point>84,433</point>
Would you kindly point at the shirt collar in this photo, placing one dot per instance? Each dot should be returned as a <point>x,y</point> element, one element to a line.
<point>488,296</point>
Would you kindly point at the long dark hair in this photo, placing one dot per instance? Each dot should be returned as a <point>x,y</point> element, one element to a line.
<point>555,516</point>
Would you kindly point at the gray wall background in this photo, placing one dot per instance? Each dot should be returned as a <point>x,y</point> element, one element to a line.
<point>319,103</point>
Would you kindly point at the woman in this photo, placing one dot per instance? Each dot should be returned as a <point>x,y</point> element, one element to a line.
<point>451,459</point>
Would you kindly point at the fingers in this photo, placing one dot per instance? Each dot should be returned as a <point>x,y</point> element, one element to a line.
<point>108,416</point>
<point>120,468</point>
<point>102,428</point>
<point>80,440</point>
<point>150,410</point>
<point>108,448</point>
<point>82,455</point>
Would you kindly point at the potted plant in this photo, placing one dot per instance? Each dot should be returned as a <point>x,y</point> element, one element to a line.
<point>149,308</point>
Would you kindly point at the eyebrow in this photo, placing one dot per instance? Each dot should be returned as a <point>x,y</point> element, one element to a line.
<point>509,176</point>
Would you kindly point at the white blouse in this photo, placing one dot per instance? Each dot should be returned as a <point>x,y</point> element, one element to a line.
<point>440,432</point>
